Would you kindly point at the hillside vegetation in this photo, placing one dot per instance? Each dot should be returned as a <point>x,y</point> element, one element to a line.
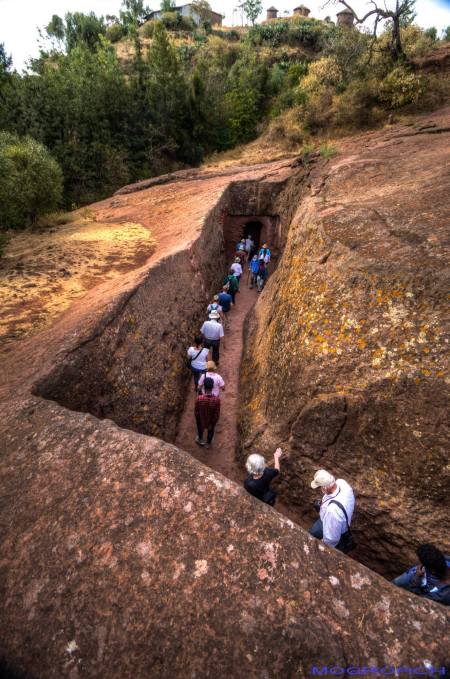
<point>114,104</point>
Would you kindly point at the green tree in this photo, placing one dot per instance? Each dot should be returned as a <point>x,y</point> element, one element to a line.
<point>56,28</point>
<point>167,5</point>
<point>31,181</point>
<point>431,33</point>
<point>252,9</point>
<point>397,14</point>
<point>83,29</point>
<point>133,13</point>
<point>5,61</point>
<point>203,9</point>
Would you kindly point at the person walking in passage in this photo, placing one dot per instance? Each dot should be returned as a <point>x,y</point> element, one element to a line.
<point>260,477</point>
<point>254,268</point>
<point>211,372</point>
<point>233,285</point>
<point>261,275</point>
<point>215,306</point>
<point>198,357</point>
<point>249,245</point>
<point>336,511</point>
<point>236,268</point>
<point>207,413</point>
<point>212,332</point>
<point>225,301</point>
<point>264,254</point>
<point>431,577</point>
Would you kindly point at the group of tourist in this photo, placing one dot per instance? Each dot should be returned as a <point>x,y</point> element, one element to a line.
<point>208,384</point>
<point>430,577</point>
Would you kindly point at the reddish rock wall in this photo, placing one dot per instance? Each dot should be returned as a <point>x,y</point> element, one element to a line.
<point>124,557</point>
<point>347,348</point>
<point>133,368</point>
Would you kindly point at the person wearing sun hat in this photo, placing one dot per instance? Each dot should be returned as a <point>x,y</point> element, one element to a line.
<point>336,511</point>
<point>236,268</point>
<point>212,332</point>
<point>211,371</point>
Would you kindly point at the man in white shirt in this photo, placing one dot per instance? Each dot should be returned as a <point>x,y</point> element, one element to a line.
<point>212,332</point>
<point>336,510</point>
<point>236,268</point>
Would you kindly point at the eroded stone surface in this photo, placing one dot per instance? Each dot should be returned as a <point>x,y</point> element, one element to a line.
<point>348,347</point>
<point>123,556</point>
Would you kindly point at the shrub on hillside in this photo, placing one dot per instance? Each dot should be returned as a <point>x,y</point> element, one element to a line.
<point>273,34</point>
<point>31,181</point>
<point>316,91</point>
<point>416,42</point>
<point>148,28</point>
<point>401,87</point>
<point>349,48</point>
<point>174,21</point>
<point>115,32</point>
<point>231,36</point>
<point>306,32</point>
<point>358,106</point>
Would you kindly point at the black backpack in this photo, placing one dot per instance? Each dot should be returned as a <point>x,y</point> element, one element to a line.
<point>346,543</point>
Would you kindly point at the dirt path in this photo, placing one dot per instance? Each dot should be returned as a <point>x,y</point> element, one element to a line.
<point>221,455</point>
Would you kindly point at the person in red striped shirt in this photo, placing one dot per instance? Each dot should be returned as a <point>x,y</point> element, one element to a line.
<point>207,413</point>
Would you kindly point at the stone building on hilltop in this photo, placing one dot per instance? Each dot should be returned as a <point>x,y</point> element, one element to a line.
<point>345,18</point>
<point>301,11</point>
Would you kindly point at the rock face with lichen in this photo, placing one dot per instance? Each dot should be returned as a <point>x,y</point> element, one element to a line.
<point>121,555</point>
<point>347,350</point>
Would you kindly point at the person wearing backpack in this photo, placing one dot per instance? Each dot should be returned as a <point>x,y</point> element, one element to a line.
<point>336,511</point>
<point>233,285</point>
<point>215,306</point>
<point>197,359</point>
<point>254,268</point>
<point>261,275</point>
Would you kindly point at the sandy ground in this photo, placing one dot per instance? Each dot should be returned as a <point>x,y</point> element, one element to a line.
<point>42,273</point>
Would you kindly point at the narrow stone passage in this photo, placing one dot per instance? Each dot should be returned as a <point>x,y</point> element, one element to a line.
<point>221,456</point>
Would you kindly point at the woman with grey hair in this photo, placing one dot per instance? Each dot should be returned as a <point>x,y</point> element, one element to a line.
<point>259,476</point>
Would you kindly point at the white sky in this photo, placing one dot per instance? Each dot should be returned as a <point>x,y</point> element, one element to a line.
<point>19,19</point>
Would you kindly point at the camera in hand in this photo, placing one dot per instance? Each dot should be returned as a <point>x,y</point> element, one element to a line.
<point>316,505</point>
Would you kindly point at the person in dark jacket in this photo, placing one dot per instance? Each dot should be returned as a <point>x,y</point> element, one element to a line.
<point>233,285</point>
<point>260,477</point>
<point>431,577</point>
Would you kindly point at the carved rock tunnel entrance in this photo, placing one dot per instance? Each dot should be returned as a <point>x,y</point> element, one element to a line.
<point>132,368</point>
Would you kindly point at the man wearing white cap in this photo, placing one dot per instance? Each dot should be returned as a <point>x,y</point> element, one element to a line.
<point>336,511</point>
<point>212,332</point>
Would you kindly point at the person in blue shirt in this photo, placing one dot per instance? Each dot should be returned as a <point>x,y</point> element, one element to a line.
<point>264,254</point>
<point>431,577</point>
<point>225,300</point>
<point>254,266</point>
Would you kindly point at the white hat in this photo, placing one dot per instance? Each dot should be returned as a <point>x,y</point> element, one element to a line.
<point>322,479</point>
<point>237,259</point>
<point>214,314</point>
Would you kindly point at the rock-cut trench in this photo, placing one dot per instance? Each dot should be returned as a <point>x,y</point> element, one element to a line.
<point>132,370</point>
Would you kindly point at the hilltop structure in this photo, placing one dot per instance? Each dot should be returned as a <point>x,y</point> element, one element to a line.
<point>190,11</point>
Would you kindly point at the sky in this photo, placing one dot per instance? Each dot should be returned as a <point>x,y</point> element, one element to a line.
<point>20,19</point>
